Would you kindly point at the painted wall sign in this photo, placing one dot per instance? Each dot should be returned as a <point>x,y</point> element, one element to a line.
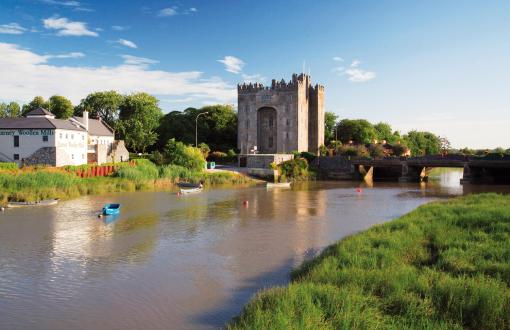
<point>29,132</point>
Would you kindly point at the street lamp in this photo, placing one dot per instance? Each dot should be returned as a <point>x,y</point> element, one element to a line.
<point>196,128</point>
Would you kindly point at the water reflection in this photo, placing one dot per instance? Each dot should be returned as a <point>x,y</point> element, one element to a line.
<point>171,261</point>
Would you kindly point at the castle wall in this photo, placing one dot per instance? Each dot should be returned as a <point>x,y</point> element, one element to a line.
<point>291,102</point>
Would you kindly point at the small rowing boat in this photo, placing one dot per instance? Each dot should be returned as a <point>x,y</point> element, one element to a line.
<point>278,185</point>
<point>188,188</point>
<point>46,202</point>
<point>111,209</point>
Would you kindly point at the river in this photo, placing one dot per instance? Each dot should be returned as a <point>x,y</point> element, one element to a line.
<point>181,262</point>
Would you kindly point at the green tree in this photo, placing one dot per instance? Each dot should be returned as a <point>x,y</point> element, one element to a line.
<point>139,118</point>
<point>104,105</point>
<point>359,131</point>
<point>218,128</point>
<point>384,132</point>
<point>13,110</point>
<point>60,106</point>
<point>422,143</point>
<point>3,110</point>
<point>329,126</point>
<point>37,102</point>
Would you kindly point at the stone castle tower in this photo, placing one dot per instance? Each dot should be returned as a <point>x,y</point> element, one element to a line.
<point>285,117</point>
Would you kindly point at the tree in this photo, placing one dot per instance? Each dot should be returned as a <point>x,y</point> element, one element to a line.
<point>3,110</point>
<point>13,110</point>
<point>177,153</point>
<point>384,132</point>
<point>37,102</point>
<point>218,128</point>
<point>61,107</point>
<point>139,116</point>
<point>445,145</point>
<point>422,143</point>
<point>104,105</point>
<point>360,131</point>
<point>329,126</point>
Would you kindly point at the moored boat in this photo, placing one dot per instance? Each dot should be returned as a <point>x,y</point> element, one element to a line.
<point>111,209</point>
<point>46,202</point>
<point>188,188</point>
<point>278,185</point>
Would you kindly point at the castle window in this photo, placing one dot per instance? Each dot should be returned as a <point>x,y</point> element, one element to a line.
<point>270,142</point>
<point>288,122</point>
<point>247,123</point>
<point>271,122</point>
<point>287,135</point>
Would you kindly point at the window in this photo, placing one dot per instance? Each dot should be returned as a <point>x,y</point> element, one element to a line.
<point>72,136</point>
<point>60,135</point>
<point>287,135</point>
<point>83,137</point>
<point>16,141</point>
<point>270,142</point>
<point>247,123</point>
<point>271,122</point>
<point>45,138</point>
<point>16,156</point>
<point>66,135</point>
<point>82,156</point>
<point>72,156</point>
<point>288,122</point>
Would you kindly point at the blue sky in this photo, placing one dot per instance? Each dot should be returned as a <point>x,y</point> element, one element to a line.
<point>442,66</point>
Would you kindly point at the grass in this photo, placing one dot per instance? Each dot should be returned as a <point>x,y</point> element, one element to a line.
<point>33,184</point>
<point>445,265</point>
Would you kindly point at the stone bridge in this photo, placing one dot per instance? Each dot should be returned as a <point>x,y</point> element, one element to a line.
<point>489,169</point>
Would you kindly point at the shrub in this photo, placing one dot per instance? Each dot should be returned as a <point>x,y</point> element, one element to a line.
<point>177,153</point>
<point>376,151</point>
<point>295,169</point>
<point>217,156</point>
<point>323,151</point>
<point>143,171</point>
<point>308,156</point>
<point>231,153</point>
<point>467,151</point>
<point>158,158</point>
<point>204,149</point>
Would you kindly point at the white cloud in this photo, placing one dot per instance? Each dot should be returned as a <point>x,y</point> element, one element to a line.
<point>68,3</point>
<point>193,9</point>
<point>12,28</point>
<point>119,27</point>
<point>165,12</point>
<point>127,43</point>
<point>26,74</point>
<point>358,75</point>
<point>355,63</point>
<point>65,27</point>
<point>138,61</point>
<point>338,59</point>
<point>233,64</point>
<point>68,55</point>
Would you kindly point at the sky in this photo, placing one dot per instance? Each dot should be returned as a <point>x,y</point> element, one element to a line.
<point>441,66</point>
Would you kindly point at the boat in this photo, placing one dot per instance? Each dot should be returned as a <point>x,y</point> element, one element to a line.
<point>111,209</point>
<point>188,188</point>
<point>46,202</point>
<point>278,185</point>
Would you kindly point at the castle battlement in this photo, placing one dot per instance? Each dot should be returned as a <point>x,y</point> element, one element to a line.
<point>282,85</point>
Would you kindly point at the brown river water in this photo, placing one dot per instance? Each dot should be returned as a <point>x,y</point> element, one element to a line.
<point>181,262</point>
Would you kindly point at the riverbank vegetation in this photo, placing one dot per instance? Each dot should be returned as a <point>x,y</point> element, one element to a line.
<point>445,265</point>
<point>39,183</point>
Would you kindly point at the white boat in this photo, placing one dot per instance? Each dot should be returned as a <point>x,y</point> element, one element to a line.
<point>278,185</point>
<point>190,190</point>
<point>46,202</point>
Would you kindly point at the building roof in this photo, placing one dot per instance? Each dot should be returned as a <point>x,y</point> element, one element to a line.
<point>38,123</point>
<point>97,127</point>
<point>39,112</point>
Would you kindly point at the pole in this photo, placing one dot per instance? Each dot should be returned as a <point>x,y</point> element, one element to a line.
<point>196,128</point>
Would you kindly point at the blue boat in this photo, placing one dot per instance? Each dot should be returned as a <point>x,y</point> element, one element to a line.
<point>111,209</point>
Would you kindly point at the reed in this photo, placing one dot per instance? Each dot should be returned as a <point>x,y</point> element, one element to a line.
<point>445,265</point>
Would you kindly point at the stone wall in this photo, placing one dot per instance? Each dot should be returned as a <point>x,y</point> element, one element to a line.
<point>264,161</point>
<point>119,152</point>
<point>43,156</point>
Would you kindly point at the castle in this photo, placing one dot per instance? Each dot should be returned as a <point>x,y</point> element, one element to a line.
<point>285,117</point>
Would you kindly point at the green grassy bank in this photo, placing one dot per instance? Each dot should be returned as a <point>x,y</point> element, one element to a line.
<point>445,265</point>
<point>35,184</point>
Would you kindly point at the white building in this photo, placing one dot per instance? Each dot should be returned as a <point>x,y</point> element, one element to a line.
<point>39,138</point>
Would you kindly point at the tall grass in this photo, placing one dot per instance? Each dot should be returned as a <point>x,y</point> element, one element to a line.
<point>33,184</point>
<point>443,266</point>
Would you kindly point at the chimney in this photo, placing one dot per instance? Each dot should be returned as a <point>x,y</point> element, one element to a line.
<point>85,119</point>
